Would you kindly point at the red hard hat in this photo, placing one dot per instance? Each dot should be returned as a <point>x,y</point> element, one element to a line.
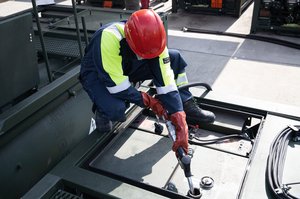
<point>145,33</point>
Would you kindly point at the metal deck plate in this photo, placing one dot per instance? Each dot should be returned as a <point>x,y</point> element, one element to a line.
<point>267,52</point>
<point>141,156</point>
<point>147,123</point>
<point>227,171</point>
<point>214,47</point>
<point>147,158</point>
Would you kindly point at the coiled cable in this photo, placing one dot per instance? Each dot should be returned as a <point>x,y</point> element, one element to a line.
<point>276,160</point>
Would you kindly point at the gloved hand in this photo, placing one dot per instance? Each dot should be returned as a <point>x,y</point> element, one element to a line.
<point>178,120</point>
<point>154,104</point>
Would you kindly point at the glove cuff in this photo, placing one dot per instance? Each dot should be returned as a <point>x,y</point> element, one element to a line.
<point>178,119</point>
<point>146,99</point>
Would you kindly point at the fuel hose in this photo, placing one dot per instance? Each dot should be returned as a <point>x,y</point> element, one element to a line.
<point>244,36</point>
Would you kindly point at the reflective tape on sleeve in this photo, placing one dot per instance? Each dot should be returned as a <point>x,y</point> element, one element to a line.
<point>165,68</point>
<point>181,79</point>
<point>166,89</point>
<point>120,87</point>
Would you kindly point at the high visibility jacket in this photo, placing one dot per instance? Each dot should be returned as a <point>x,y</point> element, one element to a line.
<point>109,55</point>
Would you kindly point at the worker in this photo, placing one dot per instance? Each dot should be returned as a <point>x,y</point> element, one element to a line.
<point>131,51</point>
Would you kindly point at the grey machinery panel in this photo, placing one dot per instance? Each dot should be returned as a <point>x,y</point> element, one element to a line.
<point>18,61</point>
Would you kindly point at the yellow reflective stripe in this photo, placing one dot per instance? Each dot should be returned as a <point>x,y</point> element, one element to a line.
<point>165,68</point>
<point>181,79</point>
<point>166,89</point>
<point>121,29</point>
<point>111,60</point>
<point>121,87</point>
<point>114,30</point>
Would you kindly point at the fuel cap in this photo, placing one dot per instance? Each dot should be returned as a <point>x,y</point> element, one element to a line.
<point>206,182</point>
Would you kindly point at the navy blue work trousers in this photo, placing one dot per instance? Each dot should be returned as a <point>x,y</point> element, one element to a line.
<point>114,108</point>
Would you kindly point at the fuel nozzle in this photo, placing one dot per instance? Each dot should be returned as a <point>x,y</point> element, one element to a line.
<point>183,158</point>
<point>185,164</point>
<point>184,161</point>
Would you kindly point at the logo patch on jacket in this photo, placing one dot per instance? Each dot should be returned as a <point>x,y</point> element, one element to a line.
<point>166,60</point>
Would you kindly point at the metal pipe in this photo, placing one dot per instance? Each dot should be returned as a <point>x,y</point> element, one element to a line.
<point>84,31</point>
<point>77,28</point>
<point>207,86</point>
<point>42,40</point>
<point>191,185</point>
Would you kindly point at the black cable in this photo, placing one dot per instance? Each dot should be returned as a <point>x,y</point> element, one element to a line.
<point>293,183</point>
<point>219,139</point>
<point>244,36</point>
<point>275,163</point>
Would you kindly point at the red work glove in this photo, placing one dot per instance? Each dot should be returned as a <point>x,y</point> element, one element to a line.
<point>154,104</point>
<point>178,120</point>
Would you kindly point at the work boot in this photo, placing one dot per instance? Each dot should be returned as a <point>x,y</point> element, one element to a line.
<point>103,124</point>
<point>195,115</point>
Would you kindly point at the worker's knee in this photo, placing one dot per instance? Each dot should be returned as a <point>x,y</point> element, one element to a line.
<point>117,113</point>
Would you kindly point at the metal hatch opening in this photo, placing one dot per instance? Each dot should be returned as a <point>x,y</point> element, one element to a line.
<point>220,151</point>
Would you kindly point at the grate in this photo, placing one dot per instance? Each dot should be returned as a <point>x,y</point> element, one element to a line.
<point>59,46</point>
<point>61,194</point>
